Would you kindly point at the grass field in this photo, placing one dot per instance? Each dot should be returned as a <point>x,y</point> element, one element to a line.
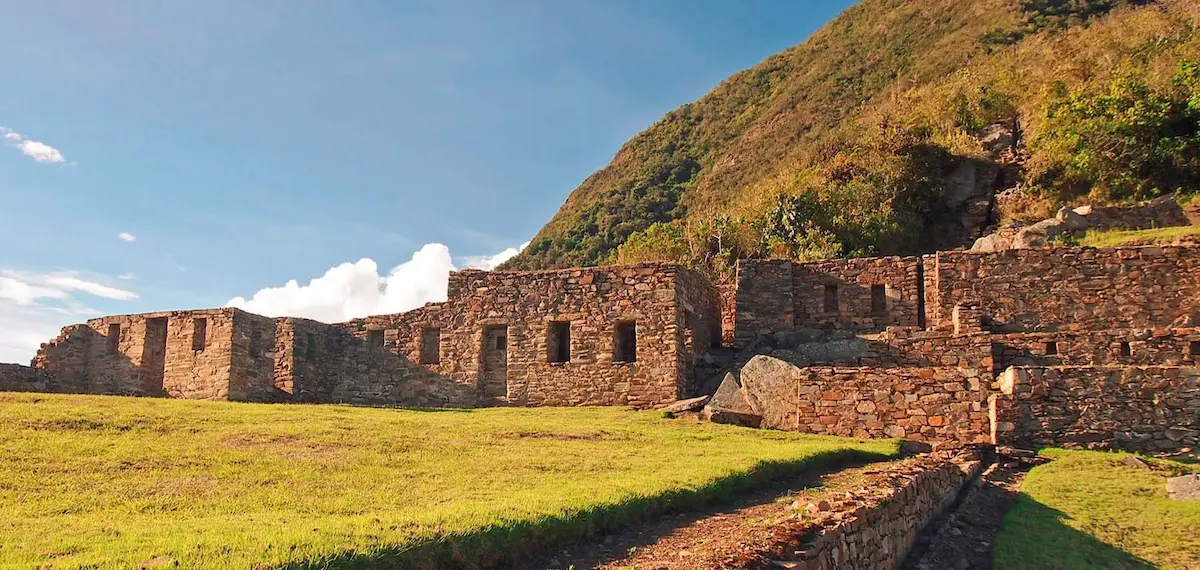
<point>123,482</point>
<point>1118,238</point>
<point>1088,510</point>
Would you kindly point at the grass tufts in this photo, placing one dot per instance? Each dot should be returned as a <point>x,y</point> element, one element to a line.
<point>111,482</point>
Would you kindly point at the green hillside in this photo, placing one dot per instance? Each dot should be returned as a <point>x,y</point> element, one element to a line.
<point>854,142</point>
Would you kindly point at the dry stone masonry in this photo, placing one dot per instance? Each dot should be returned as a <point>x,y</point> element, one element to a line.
<point>1093,347</point>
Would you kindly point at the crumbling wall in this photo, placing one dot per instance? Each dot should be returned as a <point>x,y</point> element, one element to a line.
<point>150,354</point>
<point>1070,288</point>
<point>18,378</point>
<point>1136,408</point>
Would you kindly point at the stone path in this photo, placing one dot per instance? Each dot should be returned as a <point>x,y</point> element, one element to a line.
<point>963,537</point>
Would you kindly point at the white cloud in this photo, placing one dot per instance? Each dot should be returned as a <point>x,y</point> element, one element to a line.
<point>35,306</point>
<point>127,276</point>
<point>126,236</point>
<point>354,290</point>
<point>37,150</point>
<point>41,152</point>
<point>490,262</point>
<point>25,288</point>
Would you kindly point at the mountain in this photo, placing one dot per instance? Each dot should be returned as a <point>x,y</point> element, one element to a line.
<point>899,127</point>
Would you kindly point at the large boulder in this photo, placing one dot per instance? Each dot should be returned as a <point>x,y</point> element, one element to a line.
<point>1072,220</point>
<point>991,243</point>
<point>771,385</point>
<point>997,137</point>
<point>731,405</point>
<point>1038,235</point>
<point>1185,488</point>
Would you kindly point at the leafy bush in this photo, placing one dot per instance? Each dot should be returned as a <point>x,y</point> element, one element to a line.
<point>1131,141</point>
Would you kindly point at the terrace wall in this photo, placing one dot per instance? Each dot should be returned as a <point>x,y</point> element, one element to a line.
<point>1136,408</point>
<point>1072,289</point>
<point>924,403</point>
<point>880,531</point>
<point>867,294</point>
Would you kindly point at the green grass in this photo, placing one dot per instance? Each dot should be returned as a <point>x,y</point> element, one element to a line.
<point>120,482</point>
<point>1088,510</point>
<point>1118,238</point>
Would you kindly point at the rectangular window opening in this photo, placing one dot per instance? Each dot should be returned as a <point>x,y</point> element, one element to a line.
<point>501,342</point>
<point>1051,348</point>
<point>878,299</point>
<point>256,344</point>
<point>558,342</point>
<point>199,334</point>
<point>1194,349</point>
<point>431,346</point>
<point>114,339</point>
<point>1126,349</point>
<point>625,349</point>
<point>375,338</point>
<point>831,298</point>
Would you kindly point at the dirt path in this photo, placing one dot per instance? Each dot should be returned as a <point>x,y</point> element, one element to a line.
<point>725,538</point>
<point>963,538</point>
<point>742,535</point>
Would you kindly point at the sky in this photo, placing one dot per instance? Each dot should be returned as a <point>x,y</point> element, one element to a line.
<point>326,159</point>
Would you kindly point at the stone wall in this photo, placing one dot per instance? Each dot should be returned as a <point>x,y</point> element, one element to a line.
<point>1136,408</point>
<point>1068,288</point>
<point>764,300</point>
<point>1161,212</point>
<point>527,309</point>
<point>933,403</point>
<point>182,354</point>
<point>866,294</point>
<point>18,378</point>
<point>1122,347</point>
<point>699,322</point>
<point>878,532</point>
<point>728,297</point>
<point>595,336</point>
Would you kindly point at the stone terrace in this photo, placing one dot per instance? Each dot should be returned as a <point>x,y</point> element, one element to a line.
<point>896,346</point>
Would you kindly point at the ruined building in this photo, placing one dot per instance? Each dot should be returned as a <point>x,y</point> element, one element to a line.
<point>1060,345</point>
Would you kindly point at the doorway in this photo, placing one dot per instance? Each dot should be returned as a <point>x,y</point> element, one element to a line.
<point>495,362</point>
<point>154,356</point>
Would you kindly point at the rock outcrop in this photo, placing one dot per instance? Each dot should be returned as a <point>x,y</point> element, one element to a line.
<point>1158,213</point>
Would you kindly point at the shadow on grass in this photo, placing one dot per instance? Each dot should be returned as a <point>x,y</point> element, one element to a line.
<point>508,543</point>
<point>1036,536</point>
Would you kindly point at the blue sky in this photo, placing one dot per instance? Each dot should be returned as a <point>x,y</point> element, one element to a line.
<point>241,145</point>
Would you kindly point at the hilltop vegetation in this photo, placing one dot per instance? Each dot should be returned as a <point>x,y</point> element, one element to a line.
<point>848,144</point>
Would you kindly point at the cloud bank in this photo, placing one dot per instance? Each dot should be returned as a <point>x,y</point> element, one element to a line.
<point>354,290</point>
<point>34,306</point>
<point>37,150</point>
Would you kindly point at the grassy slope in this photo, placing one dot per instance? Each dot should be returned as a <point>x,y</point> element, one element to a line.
<point>1118,238</point>
<point>811,116</point>
<point>117,482</point>
<point>1087,510</point>
<point>705,153</point>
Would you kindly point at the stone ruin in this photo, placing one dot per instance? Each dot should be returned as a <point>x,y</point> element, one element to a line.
<point>1063,346</point>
